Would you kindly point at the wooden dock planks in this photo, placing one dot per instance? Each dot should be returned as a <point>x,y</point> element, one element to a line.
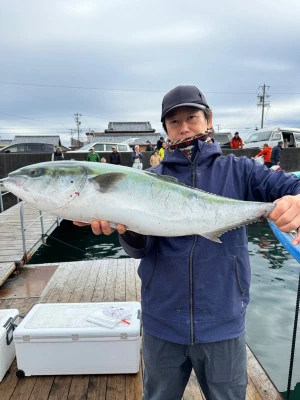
<point>94,281</point>
<point>11,249</point>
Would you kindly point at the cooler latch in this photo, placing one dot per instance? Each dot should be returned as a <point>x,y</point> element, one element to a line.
<point>124,336</point>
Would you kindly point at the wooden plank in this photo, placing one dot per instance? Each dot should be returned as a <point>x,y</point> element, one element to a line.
<point>109,290</point>
<point>5,270</point>
<point>9,383</point>
<point>130,279</point>
<point>91,279</point>
<point>79,387</point>
<point>97,387</point>
<point>260,378</point>
<point>134,385</point>
<point>80,283</point>
<point>67,289</point>
<point>57,283</point>
<point>42,388</point>
<point>115,389</point>
<point>60,388</point>
<point>100,284</point>
<point>23,388</point>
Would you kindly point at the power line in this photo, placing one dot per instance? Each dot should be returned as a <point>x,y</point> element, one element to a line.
<point>108,89</point>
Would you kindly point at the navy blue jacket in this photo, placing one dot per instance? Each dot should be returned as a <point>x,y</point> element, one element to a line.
<point>275,155</point>
<point>195,290</point>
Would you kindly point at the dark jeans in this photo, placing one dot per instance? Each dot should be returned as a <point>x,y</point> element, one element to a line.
<point>220,367</point>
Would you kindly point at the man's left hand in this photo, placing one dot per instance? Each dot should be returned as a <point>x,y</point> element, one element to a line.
<point>286,215</point>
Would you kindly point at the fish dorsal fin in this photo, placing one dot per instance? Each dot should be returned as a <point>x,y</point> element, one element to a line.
<point>106,181</point>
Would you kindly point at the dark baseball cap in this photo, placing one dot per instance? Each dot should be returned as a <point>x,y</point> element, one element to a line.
<point>181,96</point>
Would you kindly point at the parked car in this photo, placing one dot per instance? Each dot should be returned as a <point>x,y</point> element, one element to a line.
<point>102,147</point>
<point>272,135</point>
<point>223,138</point>
<point>28,148</point>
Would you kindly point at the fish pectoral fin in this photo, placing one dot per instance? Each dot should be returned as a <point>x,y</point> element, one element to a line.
<point>106,181</point>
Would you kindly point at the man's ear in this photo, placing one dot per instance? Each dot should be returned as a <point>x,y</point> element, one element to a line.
<point>209,122</point>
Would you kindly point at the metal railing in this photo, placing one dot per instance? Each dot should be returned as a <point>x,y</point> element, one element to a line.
<point>22,221</point>
<point>24,229</point>
<point>1,198</point>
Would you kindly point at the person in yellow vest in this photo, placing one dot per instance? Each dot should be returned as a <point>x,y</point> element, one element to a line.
<point>161,151</point>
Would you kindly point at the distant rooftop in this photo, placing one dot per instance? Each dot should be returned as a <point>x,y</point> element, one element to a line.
<point>55,139</point>
<point>129,127</point>
<point>131,139</point>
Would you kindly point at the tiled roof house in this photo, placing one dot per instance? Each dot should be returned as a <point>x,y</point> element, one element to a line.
<point>131,132</point>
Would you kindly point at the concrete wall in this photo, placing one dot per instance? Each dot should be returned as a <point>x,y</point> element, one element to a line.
<point>290,159</point>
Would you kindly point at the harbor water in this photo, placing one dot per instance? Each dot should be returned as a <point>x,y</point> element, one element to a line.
<point>270,316</point>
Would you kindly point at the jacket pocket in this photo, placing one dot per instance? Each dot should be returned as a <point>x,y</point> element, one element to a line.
<point>236,269</point>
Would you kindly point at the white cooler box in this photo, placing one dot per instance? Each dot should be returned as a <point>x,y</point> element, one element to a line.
<point>58,339</point>
<point>8,319</point>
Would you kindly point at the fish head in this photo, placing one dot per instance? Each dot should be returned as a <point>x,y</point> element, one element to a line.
<point>48,186</point>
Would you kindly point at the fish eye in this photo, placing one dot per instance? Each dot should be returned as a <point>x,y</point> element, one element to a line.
<point>33,172</point>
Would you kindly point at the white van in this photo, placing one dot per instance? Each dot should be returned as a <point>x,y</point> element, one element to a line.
<point>272,135</point>
<point>102,147</point>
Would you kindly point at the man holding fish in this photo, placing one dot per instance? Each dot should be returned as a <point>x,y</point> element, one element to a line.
<point>195,291</point>
<point>195,287</point>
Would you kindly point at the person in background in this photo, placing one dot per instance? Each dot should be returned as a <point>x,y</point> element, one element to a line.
<point>195,291</point>
<point>266,153</point>
<point>103,160</point>
<point>236,142</point>
<point>159,143</point>
<point>137,157</point>
<point>276,154</point>
<point>57,155</point>
<point>115,157</point>
<point>155,159</point>
<point>149,146</point>
<point>92,156</point>
<point>161,151</point>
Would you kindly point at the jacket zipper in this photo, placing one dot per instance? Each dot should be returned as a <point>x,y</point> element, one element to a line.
<point>192,332</point>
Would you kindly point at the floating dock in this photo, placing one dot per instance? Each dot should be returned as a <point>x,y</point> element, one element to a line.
<point>97,281</point>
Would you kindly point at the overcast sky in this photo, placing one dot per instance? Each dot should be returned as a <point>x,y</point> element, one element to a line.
<point>114,60</point>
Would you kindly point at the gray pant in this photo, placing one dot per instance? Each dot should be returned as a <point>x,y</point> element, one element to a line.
<point>220,367</point>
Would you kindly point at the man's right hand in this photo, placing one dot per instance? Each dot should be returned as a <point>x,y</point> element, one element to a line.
<point>104,227</point>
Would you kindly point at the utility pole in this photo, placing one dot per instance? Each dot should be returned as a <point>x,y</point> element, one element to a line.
<point>78,123</point>
<point>218,128</point>
<point>262,102</point>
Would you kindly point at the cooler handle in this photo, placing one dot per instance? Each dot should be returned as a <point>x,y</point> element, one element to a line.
<point>10,327</point>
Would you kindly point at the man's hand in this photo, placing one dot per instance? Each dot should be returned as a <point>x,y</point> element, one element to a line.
<point>104,227</point>
<point>286,215</point>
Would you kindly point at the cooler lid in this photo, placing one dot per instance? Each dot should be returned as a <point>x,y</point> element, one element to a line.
<point>75,318</point>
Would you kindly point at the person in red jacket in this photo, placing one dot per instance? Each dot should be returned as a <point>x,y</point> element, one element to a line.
<point>266,152</point>
<point>236,142</point>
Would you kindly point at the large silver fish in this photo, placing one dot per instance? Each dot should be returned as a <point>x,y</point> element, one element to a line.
<point>84,191</point>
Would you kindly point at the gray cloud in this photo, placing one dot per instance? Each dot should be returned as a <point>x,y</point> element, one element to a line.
<point>123,57</point>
